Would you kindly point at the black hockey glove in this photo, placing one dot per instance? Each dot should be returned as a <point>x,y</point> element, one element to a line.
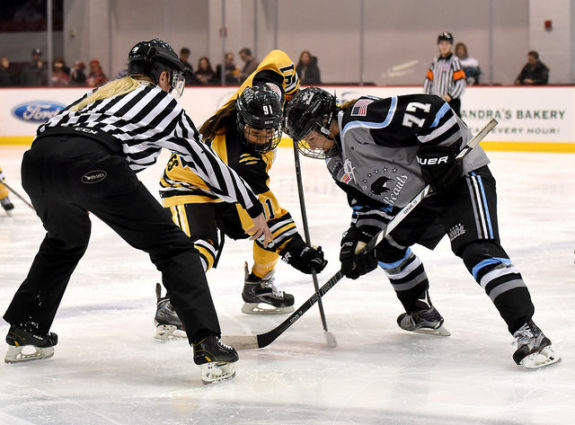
<point>303,257</point>
<point>354,265</point>
<point>439,165</point>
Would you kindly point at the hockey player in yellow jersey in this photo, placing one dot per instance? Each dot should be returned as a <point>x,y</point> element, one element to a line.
<point>4,192</point>
<point>244,134</point>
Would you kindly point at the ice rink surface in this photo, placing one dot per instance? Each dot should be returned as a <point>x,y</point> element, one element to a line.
<point>108,369</point>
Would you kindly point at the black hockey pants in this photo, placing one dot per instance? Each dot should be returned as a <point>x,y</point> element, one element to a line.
<point>467,213</point>
<point>67,176</point>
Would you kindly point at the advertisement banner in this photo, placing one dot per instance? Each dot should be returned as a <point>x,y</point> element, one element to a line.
<point>534,118</point>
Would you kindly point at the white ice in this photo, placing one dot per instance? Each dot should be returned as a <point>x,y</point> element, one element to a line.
<point>108,369</point>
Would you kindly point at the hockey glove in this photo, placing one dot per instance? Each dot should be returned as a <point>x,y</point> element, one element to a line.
<point>303,257</point>
<point>353,263</point>
<point>439,165</point>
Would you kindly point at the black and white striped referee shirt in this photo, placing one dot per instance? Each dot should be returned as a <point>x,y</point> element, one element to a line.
<point>146,120</point>
<point>445,76</point>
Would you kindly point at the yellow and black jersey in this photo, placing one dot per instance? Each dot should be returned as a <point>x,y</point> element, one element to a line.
<point>277,68</point>
<point>180,185</point>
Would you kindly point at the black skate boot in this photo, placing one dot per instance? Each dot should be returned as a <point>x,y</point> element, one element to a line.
<point>20,341</point>
<point>425,320</point>
<point>261,296</point>
<point>533,347</point>
<point>7,205</point>
<point>168,324</point>
<point>216,359</point>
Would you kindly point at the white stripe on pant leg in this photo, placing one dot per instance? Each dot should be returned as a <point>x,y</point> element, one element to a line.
<point>479,214</point>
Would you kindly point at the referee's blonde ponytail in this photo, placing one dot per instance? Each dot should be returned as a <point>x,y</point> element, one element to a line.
<point>112,89</point>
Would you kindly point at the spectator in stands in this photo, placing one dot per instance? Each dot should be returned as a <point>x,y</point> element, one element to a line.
<point>534,72</point>
<point>96,78</point>
<point>232,72</point>
<point>6,78</point>
<point>250,63</point>
<point>77,75</point>
<point>307,69</point>
<point>188,68</point>
<point>59,75</point>
<point>34,74</point>
<point>205,74</point>
<point>469,65</point>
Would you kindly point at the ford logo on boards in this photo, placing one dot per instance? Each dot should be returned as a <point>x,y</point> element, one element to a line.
<point>37,111</point>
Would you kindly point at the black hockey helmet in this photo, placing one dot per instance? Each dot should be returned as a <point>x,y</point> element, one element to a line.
<point>153,57</point>
<point>259,108</point>
<point>445,36</point>
<point>311,109</point>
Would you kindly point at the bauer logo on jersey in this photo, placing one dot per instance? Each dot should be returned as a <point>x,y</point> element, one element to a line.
<point>37,111</point>
<point>94,176</point>
<point>360,108</point>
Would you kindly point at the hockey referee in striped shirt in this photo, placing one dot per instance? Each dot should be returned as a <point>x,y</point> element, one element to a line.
<point>84,160</point>
<point>445,78</point>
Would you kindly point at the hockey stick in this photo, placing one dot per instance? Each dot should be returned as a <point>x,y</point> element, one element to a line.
<point>18,195</point>
<point>329,337</point>
<point>266,338</point>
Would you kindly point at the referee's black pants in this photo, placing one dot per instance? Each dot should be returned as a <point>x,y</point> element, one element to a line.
<point>67,176</point>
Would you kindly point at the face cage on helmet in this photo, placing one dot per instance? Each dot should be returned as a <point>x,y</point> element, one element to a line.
<point>270,145</point>
<point>318,153</point>
<point>306,150</point>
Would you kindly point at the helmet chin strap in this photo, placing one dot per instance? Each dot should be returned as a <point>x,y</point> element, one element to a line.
<point>326,130</point>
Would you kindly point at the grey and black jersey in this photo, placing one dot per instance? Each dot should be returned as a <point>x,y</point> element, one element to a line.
<point>377,165</point>
<point>445,77</point>
<point>144,121</point>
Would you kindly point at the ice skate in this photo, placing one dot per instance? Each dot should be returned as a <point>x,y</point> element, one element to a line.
<point>7,205</point>
<point>261,296</point>
<point>25,346</point>
<point>533,347</point>
<point>168,324</point>
<point>425,320</point>
<point>216,359</point>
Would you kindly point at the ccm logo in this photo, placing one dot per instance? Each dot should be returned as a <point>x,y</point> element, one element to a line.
<point>95,176</point>
<point>433,161</point>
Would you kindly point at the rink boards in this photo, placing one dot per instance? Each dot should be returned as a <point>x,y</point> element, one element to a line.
<point>530,118</point>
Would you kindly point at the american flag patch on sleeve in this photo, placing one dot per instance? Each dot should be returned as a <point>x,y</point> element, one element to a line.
<point>360,107</point>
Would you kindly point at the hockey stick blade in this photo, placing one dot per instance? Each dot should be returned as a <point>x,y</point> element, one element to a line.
<point>265,339</point>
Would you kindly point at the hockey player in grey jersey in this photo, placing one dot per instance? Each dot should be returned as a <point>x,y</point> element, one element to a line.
<point>382,152</point>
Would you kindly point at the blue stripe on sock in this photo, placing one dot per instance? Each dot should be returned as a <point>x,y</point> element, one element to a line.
<point>487,262</point>
<point>395,264</point>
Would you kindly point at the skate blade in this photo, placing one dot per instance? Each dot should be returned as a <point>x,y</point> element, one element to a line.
<point>440,331</point>
<point>17,354</point>
<point>215,372</point>
<point>540,359</point>
<point>166,333</point>
<point>263,308</point>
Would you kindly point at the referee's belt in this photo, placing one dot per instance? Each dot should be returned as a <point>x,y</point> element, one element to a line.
<point>105,139</point>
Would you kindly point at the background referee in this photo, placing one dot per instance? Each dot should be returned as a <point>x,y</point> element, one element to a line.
<point>445,78</point>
